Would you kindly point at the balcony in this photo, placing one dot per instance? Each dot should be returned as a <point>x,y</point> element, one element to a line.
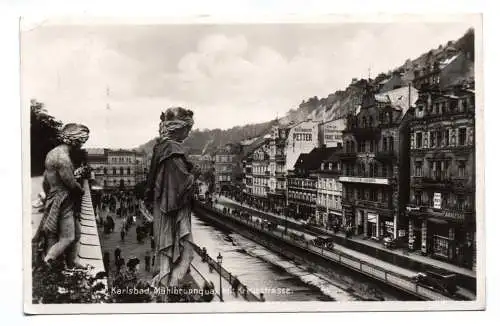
<point>280,175</point>
<point>375,204</point>
<point>348,155</point>
<point>427,182</point>
<point>280,158</point>
<point>280,192</point>
<point>376,181</point>
<point>385,156</point>
<point>366,133</point>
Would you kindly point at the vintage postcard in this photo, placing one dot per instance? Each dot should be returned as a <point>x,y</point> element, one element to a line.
<point>205,165</point>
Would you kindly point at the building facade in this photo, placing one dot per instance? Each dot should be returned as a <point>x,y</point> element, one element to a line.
<point>302,184</point>
<point>117,169</point>
<point>375,167</point>
<point>260,176</point>
<point>205,162</point>
<point>277,168</point>
<point>302,138</point>
<point>329,192</point>
<point>227,167</point>
<point>330,132</point>
<point>442,189</point>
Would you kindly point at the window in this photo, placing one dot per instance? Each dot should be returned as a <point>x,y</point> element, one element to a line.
<point>418,140</point>
<point>370,122</point>
<point>432,139</point>
<point>460,202</point>
<point>384,144</point>
<point>114,170</point>
<point>461,169</point>
<point>420,111</point>
<point>462,136</point>
<point>446,136</point>
<point>418,198</point>
<point>418,169</point>
<point>391,143</point>
<point>373,195</point>
<point>439,138</point>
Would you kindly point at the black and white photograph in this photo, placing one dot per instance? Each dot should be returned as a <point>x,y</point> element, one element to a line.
<point>206,166</point>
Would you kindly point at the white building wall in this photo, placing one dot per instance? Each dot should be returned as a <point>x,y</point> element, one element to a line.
<point>303,138</point>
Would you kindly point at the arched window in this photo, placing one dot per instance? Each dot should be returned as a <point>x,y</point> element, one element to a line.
<point>391,143</point>
<point>128,170</point>
<point>364,122</point>
<point>105,170</point>
<point>114,170</point>
<point>121,170</point>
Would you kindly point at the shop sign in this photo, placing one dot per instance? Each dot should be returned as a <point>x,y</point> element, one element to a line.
<point>437,200</point>
<point>372,218</point>
<point>389,223</point>
<point>401,233</point>
<point>381,181</point>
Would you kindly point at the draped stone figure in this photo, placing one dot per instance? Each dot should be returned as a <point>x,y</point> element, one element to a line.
<point>169,189</point>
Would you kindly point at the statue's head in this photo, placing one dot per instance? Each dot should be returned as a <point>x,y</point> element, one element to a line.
<point>74,134</point>
<point>176,123</point>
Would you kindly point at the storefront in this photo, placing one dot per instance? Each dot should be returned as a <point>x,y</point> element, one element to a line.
<point>373,225</point>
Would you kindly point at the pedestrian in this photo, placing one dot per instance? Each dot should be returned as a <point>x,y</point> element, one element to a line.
<point>105,260</point>
<point>147,261</point>
<point>138,233</point>
<point>122,234</point>
<point>118,255</point>
<point>153,243</point>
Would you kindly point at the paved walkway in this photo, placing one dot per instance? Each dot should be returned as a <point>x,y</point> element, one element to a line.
<point>199,268</point>
<point>130,247</point>
<point>413,256</point>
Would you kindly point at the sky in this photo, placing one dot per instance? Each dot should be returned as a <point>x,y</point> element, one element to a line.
<point>117,79</point>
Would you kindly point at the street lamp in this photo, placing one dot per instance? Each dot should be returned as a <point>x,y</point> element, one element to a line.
<point>219,261</point>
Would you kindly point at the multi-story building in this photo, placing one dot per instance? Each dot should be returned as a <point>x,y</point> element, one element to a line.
<point>302,184</point>
<point>227,167</point>
<point>329,192</point>
<point>375,164</point>
<point>205,162</point>
<point>97,160</point>
<point>330,132</point>
<point>277,168</point>
<point>261,175</point>
<point>442,189</point>
<point>115,169</point>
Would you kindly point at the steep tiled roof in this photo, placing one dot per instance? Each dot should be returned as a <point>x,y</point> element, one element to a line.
<point>312,161</point>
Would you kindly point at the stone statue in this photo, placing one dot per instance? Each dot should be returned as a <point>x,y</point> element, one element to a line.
<point>59,229</point>
<point>169,190</point>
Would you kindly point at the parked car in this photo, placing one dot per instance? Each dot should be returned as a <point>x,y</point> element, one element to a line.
<point>442,281</point>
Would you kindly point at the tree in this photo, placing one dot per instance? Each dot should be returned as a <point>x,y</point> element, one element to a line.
<point>44,130</point>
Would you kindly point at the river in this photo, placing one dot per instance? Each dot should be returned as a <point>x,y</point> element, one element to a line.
<point>264,271</point>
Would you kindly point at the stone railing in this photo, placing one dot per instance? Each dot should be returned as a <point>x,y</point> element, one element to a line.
<point>89,252</point>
